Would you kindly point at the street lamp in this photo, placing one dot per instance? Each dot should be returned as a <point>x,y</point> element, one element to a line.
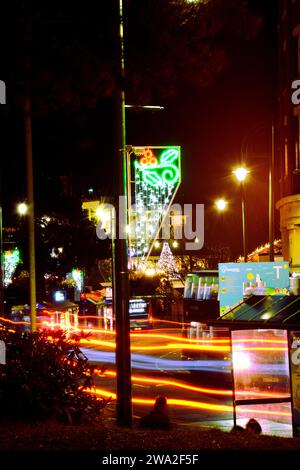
<point>22,208</point>
<point>241,175</point>
<point>221,205</point>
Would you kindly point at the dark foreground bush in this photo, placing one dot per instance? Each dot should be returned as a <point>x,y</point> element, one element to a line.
<point>44,378</point>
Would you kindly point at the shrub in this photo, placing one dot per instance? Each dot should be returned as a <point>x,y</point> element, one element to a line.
<point>45,377</point>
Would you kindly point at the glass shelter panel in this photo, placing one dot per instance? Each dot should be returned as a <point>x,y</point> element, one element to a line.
<point>261,371</point>
<point>275,418</point>
<point>261,364</point>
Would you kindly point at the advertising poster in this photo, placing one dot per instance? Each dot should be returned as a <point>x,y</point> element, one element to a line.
<point>238,281</point>
<point>295,376</point>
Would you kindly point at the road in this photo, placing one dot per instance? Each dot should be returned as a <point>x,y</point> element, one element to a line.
<point>194,372</point>
<point>198,388</point>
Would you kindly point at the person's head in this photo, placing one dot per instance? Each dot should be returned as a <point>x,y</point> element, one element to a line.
<point>253,426</point>
<point>160,403</point>
<point>238,428</point>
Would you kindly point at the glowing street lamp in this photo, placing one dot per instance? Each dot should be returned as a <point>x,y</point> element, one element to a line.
<point>22,208</point>
<point>241,175</point>
<point>221,205</point>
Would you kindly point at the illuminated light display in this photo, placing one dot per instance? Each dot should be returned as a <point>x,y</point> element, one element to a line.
<point>163,173</point>
<point>166,263</point>
<point>11,261</point>
<point>156,178</point>
<point>77,276</point>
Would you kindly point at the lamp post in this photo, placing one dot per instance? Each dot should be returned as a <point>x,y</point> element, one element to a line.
<point>28,209</point>
<point>241,174</point>
<point>271,164</point>
<point>120,252</point>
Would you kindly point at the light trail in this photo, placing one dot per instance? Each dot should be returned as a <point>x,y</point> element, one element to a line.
<point>192,388</point>
<point>192,347</point>
<point>190,342</point>
<point>172,383</point>
<point>15,322</point>
<point>171,401</point>
<point>179,340</point>
<point>190,404</point>
<point>144,362</point>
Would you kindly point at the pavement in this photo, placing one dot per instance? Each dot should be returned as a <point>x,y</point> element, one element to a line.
<point>269,427</point>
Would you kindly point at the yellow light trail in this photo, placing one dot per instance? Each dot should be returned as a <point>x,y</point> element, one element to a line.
<point>190,404</point>
<point>171,337</point>
<point>171,401</point>
<point>15,322</point>
<point>179,342</point>
<point>159,336</point>
<point>194,347</point>
<point>192,388</point>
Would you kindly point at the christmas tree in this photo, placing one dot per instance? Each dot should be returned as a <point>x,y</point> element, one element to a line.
<point>166,263</point>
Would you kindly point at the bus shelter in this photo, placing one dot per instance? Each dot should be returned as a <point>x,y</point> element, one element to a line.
<point>264,336</point>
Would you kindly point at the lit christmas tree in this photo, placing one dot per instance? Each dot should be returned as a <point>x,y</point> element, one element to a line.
<point>166,263</point>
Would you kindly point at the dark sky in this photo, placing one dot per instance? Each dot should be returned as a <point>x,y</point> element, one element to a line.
<point>210,124</point>
<point>213,124</point>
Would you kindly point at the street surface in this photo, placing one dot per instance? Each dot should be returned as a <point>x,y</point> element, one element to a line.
<point>194,375</point>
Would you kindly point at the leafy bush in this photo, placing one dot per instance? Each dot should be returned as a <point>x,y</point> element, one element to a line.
<point>45,377</point>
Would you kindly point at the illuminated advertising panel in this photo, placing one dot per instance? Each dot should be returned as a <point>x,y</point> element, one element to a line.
<point>59,296</point>
<point>238,281</point>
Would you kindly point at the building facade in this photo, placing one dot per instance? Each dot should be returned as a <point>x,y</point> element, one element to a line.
<point>288,132</point>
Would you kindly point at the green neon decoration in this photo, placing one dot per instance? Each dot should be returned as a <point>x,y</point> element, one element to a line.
<point>165,172</point>
<point>157,175</point>
<point>11,261</point>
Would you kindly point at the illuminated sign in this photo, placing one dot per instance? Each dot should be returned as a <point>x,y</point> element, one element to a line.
<point>138,308</point>
<point>238,281</point>
<point>159,171</point>
<point>59,296</point>
<point>156,178</point>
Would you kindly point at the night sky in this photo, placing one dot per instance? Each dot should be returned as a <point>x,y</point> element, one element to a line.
<point>210,123</point>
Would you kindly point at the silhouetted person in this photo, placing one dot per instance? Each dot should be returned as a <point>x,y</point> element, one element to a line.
<point>158,417</point>
<point>253,426</point>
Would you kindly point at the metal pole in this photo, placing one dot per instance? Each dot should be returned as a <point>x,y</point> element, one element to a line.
<point>271,199</point>
<point>244,222</point>
<point>1,261</point>
<point>232,379</point>
<point>30,200</point>
<point>120,261</point>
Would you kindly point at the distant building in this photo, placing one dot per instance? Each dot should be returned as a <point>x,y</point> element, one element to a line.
<point>262,253</point>
<point>288,131</point>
